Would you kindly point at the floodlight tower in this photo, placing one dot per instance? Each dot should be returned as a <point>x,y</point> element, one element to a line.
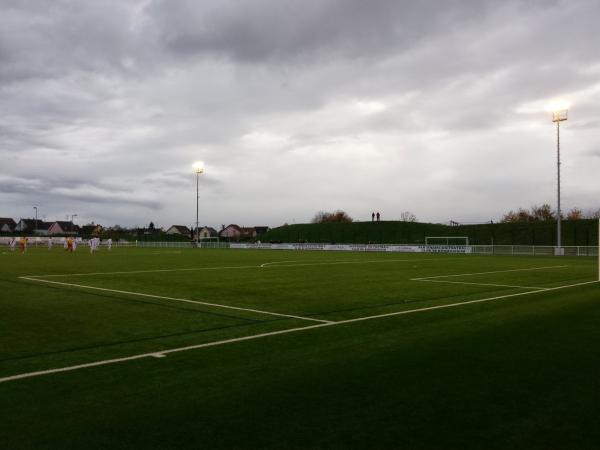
<point>559,114</point>
<point>36,223</point>
<point>198,169</point>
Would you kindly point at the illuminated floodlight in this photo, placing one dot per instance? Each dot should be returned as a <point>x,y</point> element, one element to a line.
<point>198,167</point>
<point>559,109</point>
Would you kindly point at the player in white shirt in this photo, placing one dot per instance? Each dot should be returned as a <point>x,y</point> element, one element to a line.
<point>74,244</point>
<point>49,243</point>
<point>13,243</point>
<point>94,244</point>
<point>109,244</point>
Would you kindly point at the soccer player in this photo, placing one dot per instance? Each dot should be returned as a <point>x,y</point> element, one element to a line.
<point>69,244</point>
<point>74,245</point>
<point>23,244</point>
<point>49,243</point>
<point>109,244</point>
<point>13,243</point>
<point>94,242</point>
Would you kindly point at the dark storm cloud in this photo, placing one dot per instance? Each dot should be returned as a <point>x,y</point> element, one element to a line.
<point>105,104</point>
<point>289,30</point>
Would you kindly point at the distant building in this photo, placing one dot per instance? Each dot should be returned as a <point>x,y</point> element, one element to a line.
<point>261,230</point>
<point>179,229</point>
<point>7,225</point>
<point>91,230</point>
<point>231,232</point>
<point>32,226</point>
<point>234,232</point>
<point>207,232</point>
<point>62,227</point>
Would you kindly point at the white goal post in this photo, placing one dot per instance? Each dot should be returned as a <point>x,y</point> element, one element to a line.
<point>447,240</point>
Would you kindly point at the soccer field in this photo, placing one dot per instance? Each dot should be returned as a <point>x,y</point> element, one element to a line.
<point>174,348</point>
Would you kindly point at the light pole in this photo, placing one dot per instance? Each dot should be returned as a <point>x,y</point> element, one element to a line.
<point>199,169</point>
<point>72,223</point>
<point>559,114</point>
<point>36,223</point>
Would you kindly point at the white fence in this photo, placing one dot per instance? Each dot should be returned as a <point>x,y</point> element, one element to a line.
<point>526,250</point>
<point>531,250</point>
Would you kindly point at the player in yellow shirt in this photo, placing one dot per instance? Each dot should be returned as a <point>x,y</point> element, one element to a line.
<point>23,244</point>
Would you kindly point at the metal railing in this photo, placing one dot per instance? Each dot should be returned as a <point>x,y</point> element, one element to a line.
<point>516,250</point>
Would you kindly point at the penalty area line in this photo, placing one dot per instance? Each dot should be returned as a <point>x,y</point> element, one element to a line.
<point>487,273</point>
<point>482,284</point>
<point>163,353</point>
<point>140,294</point>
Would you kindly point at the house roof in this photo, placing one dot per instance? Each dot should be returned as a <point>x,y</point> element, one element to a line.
<point>66,225</point>
<point>261,229</point>
<point>233,225</point>
<point>181,228</point>
<point>31,225</point>
<point>7,221</point>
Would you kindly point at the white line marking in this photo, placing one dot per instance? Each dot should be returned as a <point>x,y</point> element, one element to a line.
<point>225,268</point>
<point>482,284</point>
<point>140,294</point>
<point>468,302</point>
<point>138,271</point>
<point>275,262</point>
<point>274,333</point>
<point>328,263</point>
<point>486,273</point>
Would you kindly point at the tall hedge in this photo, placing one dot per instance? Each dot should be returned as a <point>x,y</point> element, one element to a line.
<point>575,232</point>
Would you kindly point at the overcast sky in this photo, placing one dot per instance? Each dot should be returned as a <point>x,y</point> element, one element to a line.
<point>430,106</point>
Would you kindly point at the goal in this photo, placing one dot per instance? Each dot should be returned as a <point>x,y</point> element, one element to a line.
<point>447,240</point>
<point>209,242</point>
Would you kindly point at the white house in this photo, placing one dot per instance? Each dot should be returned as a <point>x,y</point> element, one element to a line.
<point>179,229</point>
<point>62,227</point>
<point>207,232</point>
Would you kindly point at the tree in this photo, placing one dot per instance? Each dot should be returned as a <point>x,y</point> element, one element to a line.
<point>407,216</point>
<point>151,226</point>
<point>336,216</point>
<point>521,215</point>
<point>575,214</point>
<point>536,214</point>
<point>542,213</point>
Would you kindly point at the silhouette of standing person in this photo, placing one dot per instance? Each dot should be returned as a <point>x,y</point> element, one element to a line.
<point>378,216</point>
<point>373,217</point>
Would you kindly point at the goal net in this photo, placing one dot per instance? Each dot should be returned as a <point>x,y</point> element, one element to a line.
<point>209,242</point>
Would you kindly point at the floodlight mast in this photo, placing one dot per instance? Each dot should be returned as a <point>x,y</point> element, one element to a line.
<point>199,169</point>
<point>558,116</point>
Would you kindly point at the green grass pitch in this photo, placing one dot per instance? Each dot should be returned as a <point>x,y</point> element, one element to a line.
<point>232,349</point>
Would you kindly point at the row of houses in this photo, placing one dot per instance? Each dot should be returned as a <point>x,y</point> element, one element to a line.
<point>231,232</point>
<point>43,228</point>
